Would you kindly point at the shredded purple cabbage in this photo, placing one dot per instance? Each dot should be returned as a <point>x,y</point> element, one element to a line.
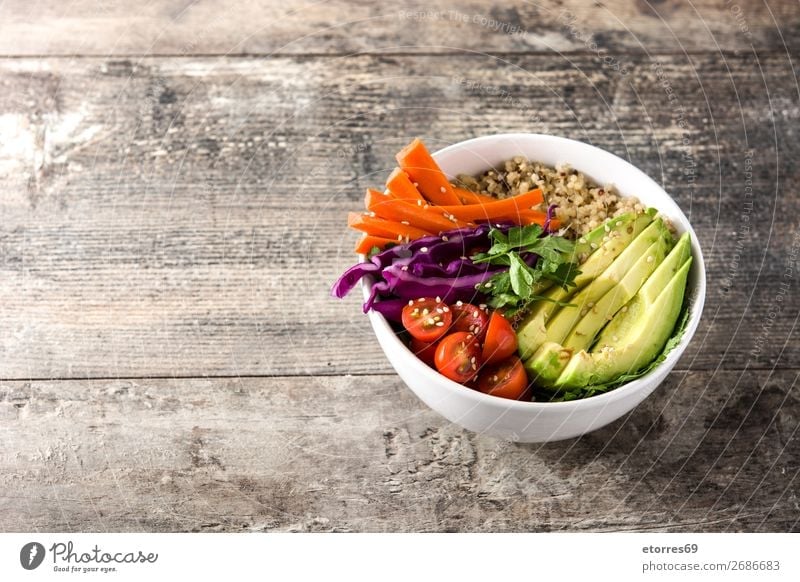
<point>427,267</point>
<point>432,266</point>
<point>550,215</point>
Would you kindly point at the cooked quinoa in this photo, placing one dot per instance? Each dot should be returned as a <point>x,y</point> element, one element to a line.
<point>581,204</point>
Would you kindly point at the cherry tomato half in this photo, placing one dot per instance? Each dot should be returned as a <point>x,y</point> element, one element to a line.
<point>468,318</point>
<point>424,351</point>
<point>506,379</point>
<point>500,342</point>
<point>458,356</point>
<point>427,319</point>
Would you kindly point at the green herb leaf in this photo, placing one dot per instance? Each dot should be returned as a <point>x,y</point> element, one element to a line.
<point>517,288</point>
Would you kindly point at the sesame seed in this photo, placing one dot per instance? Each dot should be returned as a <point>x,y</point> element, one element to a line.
<point>593,245</point>
<point>476,313</point>
<point>439,324</point>
<point>404,268</point>
<point>445,239</point>
<point>445,309</point>
<point>416,184</point>
<point>442,189</point>
<point>624,309</point>
<point>482,306</point>
<point>425,311</point>
<point>419,202</point>
<point>411,302</point>
<point>615,338</point>
<point>400,237</point>
<point>582,241</point>
<point>423,250</point>
<point>650,259</point>
<point>407,223</point>
<point>459,303</point>
<point>372,214</point>
<point>438,299</point>
<point>607,228</point>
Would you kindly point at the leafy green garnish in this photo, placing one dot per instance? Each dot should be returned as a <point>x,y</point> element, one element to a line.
<point>521,284</point>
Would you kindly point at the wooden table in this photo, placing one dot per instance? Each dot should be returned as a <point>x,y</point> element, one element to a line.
<point>175,180</point>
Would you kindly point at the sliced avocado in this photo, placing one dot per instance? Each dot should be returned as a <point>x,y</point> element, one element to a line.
<point>639,331</point>
<point>628,225</point>
<point>562,322</point>
<point>597,315</point>
<point>622,230</point>
<point>547,364</point>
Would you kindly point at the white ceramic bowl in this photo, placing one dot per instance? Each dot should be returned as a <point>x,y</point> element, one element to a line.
<point>544,421</point>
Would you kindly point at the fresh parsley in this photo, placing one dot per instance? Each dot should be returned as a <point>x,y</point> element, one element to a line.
<point>534,262</point>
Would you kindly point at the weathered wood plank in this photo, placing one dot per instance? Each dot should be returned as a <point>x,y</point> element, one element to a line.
<point>186,217</point>
<point>267,27</point>
<point>707,452</point>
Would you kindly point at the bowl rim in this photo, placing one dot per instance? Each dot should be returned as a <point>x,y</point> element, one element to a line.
<point>696,301</point>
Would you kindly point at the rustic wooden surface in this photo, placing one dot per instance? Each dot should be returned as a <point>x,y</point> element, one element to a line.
<point>172,218</point>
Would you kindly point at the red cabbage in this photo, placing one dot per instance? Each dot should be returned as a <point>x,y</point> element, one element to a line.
<point>427,267</point>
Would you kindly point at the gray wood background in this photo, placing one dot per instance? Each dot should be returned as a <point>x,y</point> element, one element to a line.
<point>174,183</point>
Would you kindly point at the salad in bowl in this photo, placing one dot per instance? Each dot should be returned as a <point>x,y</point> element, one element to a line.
<point>518,296</point>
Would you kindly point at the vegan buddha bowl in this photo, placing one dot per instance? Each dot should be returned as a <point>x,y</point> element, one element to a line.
<point>530,287</point>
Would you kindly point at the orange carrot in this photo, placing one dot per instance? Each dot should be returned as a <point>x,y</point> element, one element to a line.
<point>432,218</point>
<point>470,197</point>
<point>401,186</point>
<point>384,228</point>
<point>526,217</point>
<point>367,242</point>
<point>417,162</point>
<point>507,208</point>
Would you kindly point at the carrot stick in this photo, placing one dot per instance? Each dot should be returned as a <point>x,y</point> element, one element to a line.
<point>526,217</point>
<point>470,197</point>
<point>367,242</point>
<point>417,162</point>
<point>507,208</point>
<point>384,228</point>
<point>401,186</point>
<point>432,218</point>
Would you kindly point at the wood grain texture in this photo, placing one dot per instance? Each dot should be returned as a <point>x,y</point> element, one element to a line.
<point>186,217</point>
<point>707,452</point>
<point>269,27</point>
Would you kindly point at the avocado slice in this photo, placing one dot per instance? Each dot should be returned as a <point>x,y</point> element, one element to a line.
<point>547,364</point>
<point>639,331</point>
<point>598,315</point>
<point>602,247</point>
<point>559,326</point>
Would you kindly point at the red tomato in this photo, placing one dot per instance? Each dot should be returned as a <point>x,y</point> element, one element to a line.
<point>500,342</point>
<point>424,351</point>
<point>467,317</point>
<point>506,379</point>
<point>458,356</point>
<point>427,319</point>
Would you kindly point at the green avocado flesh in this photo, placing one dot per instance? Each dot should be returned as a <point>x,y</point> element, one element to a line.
<point>622,230</point>
<point>619,315</point>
